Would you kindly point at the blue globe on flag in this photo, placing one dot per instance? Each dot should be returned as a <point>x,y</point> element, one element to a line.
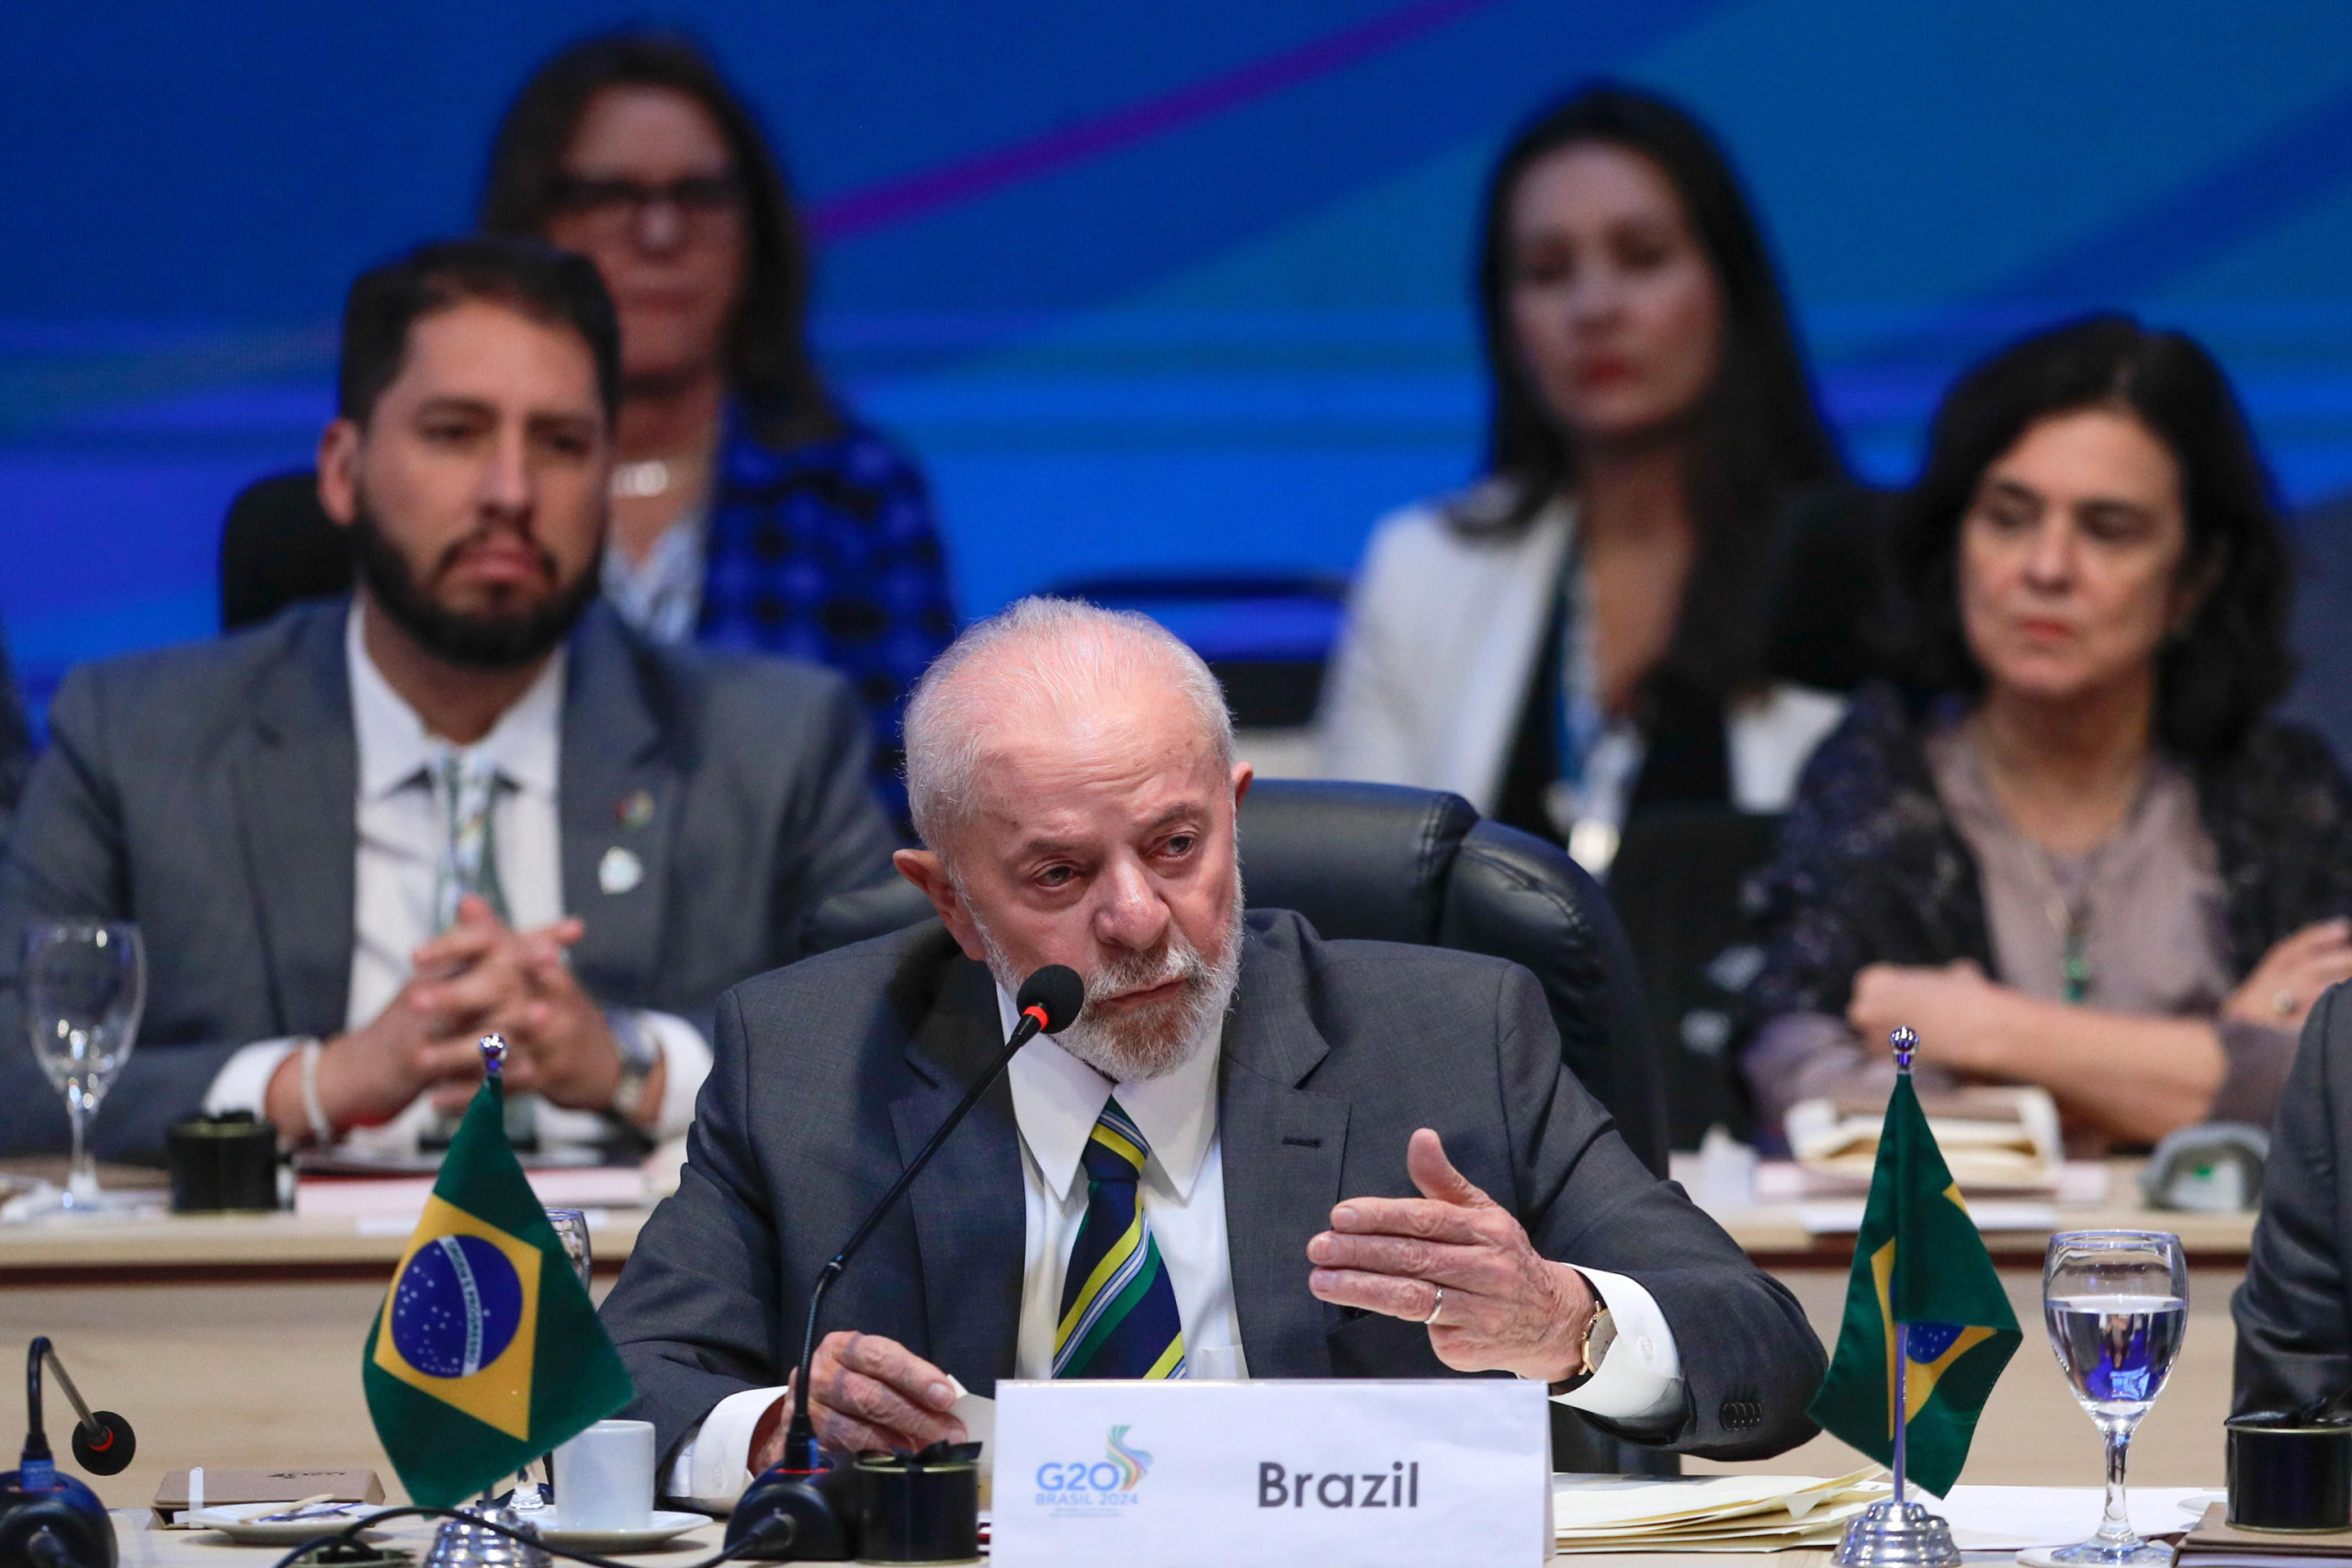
<point>456,1307</point>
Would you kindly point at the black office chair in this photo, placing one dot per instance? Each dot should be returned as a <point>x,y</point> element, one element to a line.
<point>1387,863</point>
<point>277,545</point>
<point>1676,885</point>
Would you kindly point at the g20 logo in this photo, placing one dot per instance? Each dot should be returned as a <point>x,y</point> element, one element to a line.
<point>1118,1471</point>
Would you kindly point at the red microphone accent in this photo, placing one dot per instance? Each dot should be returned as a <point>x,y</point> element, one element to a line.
<point>1037,1012</point>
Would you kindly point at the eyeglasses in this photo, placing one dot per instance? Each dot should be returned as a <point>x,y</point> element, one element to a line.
<point>707,206</point>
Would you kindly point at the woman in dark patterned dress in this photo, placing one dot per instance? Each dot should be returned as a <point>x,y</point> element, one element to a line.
<point>2091,861</point>
<point>750,510</point>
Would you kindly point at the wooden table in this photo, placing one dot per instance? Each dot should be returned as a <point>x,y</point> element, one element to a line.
<point>145,1546</point>
<point>235,1341</point>
<point>263,1248</point>
<point>1776,1236</point>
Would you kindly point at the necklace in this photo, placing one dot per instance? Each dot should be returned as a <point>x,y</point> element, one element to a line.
<point>638,480</point>
<point>2071,919</point>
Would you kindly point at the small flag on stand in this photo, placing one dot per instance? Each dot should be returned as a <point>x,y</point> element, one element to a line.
<point>1922,1281</point>
<point>487,1353</point>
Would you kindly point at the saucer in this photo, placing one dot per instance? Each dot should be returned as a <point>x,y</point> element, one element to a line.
<point>667,1523</point>
<point>244,1524</point>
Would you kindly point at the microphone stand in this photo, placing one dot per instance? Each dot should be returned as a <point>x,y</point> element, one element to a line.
<point>802,1455</point>
<point>800,1487</point>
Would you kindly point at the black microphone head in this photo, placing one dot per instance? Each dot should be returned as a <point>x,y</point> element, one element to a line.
<point>1057,989</point>
<point>107,1450</point>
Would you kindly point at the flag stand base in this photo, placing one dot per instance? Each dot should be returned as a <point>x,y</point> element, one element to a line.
<point>459,1543</point>
<point>1897,1535</point>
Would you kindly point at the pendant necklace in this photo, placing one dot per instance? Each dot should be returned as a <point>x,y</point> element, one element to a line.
<point>2070,917</point>
<point>639,480</point>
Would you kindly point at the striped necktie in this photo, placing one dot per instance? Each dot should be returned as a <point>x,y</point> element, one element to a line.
<point>464,788</point>
<point>1118,1309</point>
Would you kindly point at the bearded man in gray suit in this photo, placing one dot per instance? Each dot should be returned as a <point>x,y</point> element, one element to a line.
<point>1341,1158</point>
<point>467,799</point>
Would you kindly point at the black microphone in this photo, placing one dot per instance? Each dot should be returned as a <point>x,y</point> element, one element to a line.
<point>1050,1002</point>
<point>51,1519</point>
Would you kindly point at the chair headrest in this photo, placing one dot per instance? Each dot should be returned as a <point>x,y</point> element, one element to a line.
<point>1361,860</point>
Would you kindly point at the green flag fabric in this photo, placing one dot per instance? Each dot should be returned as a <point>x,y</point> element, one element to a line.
<point>487,1353</point>
<point>1918,1262</point>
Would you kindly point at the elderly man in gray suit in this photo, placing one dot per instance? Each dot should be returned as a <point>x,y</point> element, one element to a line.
<point>1300,1158</point>
<point>466,800</point>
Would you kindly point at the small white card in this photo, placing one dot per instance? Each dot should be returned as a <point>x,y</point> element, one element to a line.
<point>1421,1473</point>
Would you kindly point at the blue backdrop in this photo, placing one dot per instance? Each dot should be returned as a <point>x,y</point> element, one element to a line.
<point>1141,286</point>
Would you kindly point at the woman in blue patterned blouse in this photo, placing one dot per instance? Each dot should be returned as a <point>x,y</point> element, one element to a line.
<point>750,510</point>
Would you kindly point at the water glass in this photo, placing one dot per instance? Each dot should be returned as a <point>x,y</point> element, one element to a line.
<point>2116,1306</point>
<point>83,984</point>
<point>570,1229</point>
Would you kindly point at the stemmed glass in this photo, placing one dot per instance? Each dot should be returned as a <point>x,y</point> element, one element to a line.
<point>83,984</point>
<point>2117,1304</point>
<point>530,1498</point>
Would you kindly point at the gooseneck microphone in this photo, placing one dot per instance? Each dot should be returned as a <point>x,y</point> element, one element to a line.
<point>1050,1002</point>
<point>53,1520</point>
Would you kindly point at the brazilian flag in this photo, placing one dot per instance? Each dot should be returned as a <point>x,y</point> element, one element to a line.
<point>1920,1269</point>
<point>487,1353</point>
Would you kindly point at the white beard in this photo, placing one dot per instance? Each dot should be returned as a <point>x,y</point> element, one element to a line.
<point>1153,1042</point>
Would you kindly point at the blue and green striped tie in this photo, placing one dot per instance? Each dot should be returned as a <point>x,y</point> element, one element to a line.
<point>1119,1315</point>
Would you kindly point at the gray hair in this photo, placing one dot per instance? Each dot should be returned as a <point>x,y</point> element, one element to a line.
<point>1058,652</point>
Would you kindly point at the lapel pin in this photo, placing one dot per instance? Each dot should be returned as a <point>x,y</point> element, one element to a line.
<point>636,808</point>
<point>619,871</point>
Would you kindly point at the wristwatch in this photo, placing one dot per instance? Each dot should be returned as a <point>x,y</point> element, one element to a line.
<point>639,1056</point>
<point>1600,1333</point>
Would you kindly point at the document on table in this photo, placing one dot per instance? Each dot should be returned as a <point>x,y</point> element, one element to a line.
<point>1709,1513</point>
<point>2005,1519</point>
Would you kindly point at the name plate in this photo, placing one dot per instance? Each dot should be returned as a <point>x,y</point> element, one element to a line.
<point>1417,1473</point>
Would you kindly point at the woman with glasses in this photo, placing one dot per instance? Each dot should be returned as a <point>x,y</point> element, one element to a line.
<point>2091,860</point>
<point>750,510</point>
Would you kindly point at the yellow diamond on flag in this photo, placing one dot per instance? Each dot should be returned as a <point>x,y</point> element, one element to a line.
<point>461,1320</point>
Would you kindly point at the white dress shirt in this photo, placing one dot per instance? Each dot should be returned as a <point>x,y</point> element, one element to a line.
<point>661,595</point>
<point>401,839</point>
<point>1056,1099</point>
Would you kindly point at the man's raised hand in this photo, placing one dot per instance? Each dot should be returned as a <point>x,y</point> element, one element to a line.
<point>1503,1307</point>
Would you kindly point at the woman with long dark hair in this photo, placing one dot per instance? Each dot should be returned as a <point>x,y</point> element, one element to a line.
<point>2092,861</point>
<point>750,508</point>
<point>1584,633</point>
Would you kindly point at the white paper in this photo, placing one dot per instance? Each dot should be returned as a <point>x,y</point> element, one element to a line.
<point>2008,1518</point>
<point>1844,1216</point>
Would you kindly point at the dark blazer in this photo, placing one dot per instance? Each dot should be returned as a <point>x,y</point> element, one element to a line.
<point>2294,1311</point>
<point>207,793</point>
<point>831,1074</point>
<point>1871,871</point>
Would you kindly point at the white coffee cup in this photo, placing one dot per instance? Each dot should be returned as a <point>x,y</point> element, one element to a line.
<point>604,1478</point>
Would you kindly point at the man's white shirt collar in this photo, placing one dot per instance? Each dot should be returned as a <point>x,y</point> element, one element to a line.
<point>1057,1099</point>
<point>524,745</point>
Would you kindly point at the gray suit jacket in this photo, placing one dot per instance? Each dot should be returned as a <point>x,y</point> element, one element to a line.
<point>831,1074</point>
<point>2294,1311</point>
<point>207,793</point>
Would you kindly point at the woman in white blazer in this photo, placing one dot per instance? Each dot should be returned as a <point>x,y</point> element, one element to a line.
<point>1582,634</point>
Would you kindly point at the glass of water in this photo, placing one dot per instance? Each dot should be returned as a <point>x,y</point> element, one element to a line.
<point>570,1226</point>
<point>83,984</point>
<point>2117,1304</point>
